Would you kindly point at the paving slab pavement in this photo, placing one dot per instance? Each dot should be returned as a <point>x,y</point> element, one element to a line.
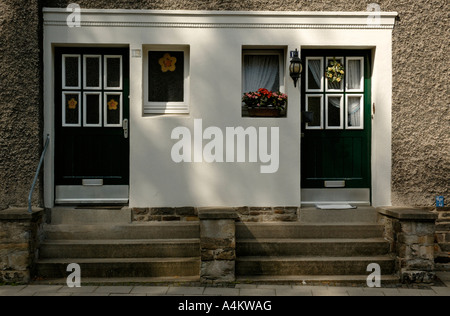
<point>263,290</point>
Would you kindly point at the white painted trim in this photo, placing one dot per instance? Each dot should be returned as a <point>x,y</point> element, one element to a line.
<point>222,19</point>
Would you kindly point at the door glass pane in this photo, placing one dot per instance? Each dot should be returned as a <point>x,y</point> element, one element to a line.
<point>354,74</point>
<point>314,105</point>
<point>71,109</point>
<point>92,109</point>
<point>355,112</point>
<point>166,76</point>
<point>314,74</point>
<point>71,71</point>
<point>113,109</point>
<point>113,69</point>
<point>92,72</point>
<point>338,84</point>
<point>334,112</point>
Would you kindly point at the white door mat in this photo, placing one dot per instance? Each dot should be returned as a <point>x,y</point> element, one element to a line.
<point>335,206</point>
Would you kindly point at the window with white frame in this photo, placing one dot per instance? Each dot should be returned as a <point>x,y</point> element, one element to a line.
<point>166,79</point>
<point>263,68</point>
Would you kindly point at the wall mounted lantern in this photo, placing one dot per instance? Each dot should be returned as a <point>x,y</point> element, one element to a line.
<point>295,68</point>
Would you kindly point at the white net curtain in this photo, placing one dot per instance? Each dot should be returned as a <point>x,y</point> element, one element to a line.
<point>261,71</point>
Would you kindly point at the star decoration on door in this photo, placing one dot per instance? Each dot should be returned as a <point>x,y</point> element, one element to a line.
<point>167,63</point>
<point>72,104</point>
<point>112,105</point>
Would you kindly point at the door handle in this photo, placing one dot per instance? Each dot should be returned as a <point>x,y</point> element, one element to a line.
<point>125,128</point>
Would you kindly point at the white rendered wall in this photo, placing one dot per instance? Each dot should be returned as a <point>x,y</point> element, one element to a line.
<point>216,41</point>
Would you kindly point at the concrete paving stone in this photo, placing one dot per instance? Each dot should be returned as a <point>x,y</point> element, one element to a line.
<point>322,291</point>
<point>293,292</point>
<point>10,289</point>
<point>150,290</point>
<point>441,291</point>
<point>33,289</point>
<point>52,294</point>
<point>114,289</point>
<point>413,292</point>
<point>363,291</point>
<point>129,294</point>
<point>221,291</point>
<point>443,276</point>
<point>90,294</point>
<point>82,289</point>
<point>273,286</point>
<point>246,286</point>
<point>257,292</point>
<point>183,290</point>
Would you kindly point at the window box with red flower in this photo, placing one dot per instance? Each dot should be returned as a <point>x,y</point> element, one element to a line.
<point>265,103</point>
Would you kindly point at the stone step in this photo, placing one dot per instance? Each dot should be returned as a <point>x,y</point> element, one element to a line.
<point>123,248</point>
<point>312,247</point>
<point>349,280</point>
<point>120,267</point>
<point>128,281</point>
<point>71,215</point>
<point>246,266</point>
<point>150,230</point>
<point>362,214</point>
<point>310,230</point>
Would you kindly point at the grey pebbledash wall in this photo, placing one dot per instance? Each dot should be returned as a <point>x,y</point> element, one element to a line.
<point>20,100</point>
<point>420,113</point>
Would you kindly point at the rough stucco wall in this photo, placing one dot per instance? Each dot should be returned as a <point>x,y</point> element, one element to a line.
<point>421,118</point>
<point>20,100</point>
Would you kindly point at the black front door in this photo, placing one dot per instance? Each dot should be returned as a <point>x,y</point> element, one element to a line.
<point>91,120</point>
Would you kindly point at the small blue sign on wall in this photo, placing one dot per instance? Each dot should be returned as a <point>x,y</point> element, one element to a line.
<point>439,201</point>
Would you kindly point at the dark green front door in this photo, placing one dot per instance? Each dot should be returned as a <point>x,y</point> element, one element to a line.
<point>336,140</point>
<point>91,120</point>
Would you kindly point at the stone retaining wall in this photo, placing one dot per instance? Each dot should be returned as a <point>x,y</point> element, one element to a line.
<point>410,232</point>
<point>20,236</point>
<point>245,214</point>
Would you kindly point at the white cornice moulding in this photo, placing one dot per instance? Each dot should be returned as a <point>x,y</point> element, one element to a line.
<point>222,19</point>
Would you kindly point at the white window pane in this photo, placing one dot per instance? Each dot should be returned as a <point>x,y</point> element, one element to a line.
<point>334,111</point>
<point>355,112</point>
<point>314,104</point>
<point>315,74</point>
<point>92,109</point>
<point>71,72</point>
<point>92,72</point>
<point>355,74</point>
<point>113,109</point>
<point>261,71</point>
<point>334,86</point>
<point>113,72</point>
